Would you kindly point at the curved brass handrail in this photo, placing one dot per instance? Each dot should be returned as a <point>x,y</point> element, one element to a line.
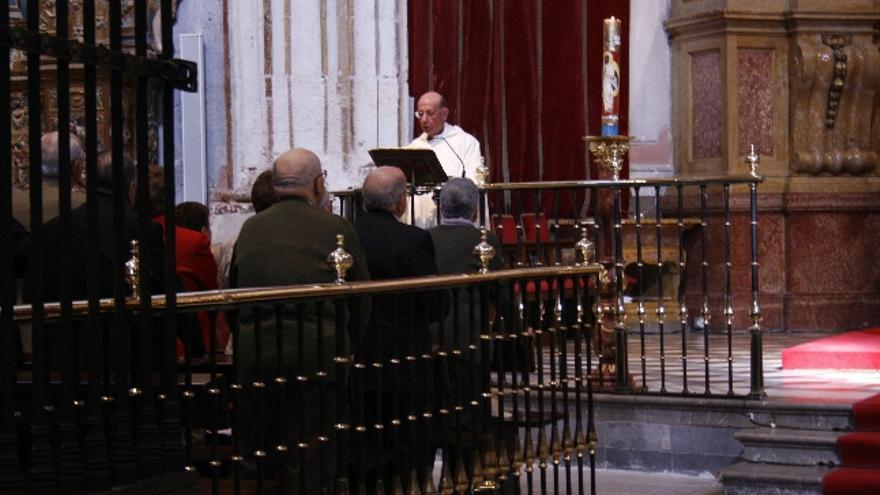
<point>658,181</point>
<point>231,297</point>
<point>695,180</point>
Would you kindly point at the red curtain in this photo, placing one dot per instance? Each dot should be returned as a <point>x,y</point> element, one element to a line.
<point>523,76</point>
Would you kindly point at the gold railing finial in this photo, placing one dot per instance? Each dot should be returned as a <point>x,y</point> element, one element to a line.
<point>339,260</point>
<point>484,251</point>
<point>753,159</point>
<point>584,250</point>
<point>133,270</point>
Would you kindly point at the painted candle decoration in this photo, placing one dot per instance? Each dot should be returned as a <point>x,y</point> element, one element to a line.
<point>610,76</point>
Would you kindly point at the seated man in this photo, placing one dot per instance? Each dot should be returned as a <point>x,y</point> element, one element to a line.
<point>454,242</point>
<point>81,282</point>
<point>288,244</point>
<point>400,326</point>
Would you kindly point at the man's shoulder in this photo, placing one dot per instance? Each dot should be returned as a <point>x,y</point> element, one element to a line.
<point>377,224</point>
<point>453,233</point>
<point>459,133</point>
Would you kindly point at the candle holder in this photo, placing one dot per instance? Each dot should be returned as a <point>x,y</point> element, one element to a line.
<point>609,152</point>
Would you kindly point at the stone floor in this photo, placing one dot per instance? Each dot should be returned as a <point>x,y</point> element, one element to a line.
<point>792,386</point>
<point>802,387</point>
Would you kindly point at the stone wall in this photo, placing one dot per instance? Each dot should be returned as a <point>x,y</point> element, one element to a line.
<point>328,76</point>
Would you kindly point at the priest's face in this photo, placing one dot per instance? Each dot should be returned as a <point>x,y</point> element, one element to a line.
<point>431,114</point>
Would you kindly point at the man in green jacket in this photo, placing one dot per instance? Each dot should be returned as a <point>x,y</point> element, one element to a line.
<point>454,242</point>
<point>288,244</point>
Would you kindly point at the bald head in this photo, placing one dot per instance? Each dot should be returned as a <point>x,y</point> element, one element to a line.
<point>50,153</point>
<point>298,173</point>
<point>385,189</point>
<point>432,113</point>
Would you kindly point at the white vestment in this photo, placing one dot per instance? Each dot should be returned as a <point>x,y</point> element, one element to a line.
<point>459,155</point>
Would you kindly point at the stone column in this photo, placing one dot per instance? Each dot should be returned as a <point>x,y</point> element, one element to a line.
<point>798,79</point>
<point>325,75</point>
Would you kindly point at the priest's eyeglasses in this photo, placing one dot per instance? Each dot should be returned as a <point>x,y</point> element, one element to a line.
<point>420,113</point>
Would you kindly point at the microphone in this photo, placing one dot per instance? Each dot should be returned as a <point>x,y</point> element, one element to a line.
<point>453,152</point>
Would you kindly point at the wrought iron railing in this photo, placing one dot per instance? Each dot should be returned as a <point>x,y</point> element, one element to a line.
<point>52,427</point>
<point>672,264</point>
<point>462,385</point>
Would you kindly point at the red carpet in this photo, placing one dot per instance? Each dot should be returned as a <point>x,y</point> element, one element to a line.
<point>859,349</point>
<point>860,454</point>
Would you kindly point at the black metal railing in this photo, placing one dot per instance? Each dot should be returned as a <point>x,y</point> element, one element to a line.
<point>314,396</point>
<point>670,250</point>
<point>57,434</point>
<point>653,281</point>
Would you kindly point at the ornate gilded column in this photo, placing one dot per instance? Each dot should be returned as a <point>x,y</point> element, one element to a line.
<point>800,80</point>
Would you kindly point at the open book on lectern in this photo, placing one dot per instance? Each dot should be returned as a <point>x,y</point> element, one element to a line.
<point>420,165</point>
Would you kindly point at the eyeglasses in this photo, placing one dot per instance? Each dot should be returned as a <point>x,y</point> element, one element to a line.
<point>324,173</point>
<point>430,113</point>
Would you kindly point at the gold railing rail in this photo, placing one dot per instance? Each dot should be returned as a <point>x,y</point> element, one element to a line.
<point>691,180</point>
<point>658,181</point>
<point>232,297</point>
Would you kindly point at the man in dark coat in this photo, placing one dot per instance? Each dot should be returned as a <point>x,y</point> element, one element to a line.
<point>108,261</point>
<point>288,244</point>
<point>399,329</point>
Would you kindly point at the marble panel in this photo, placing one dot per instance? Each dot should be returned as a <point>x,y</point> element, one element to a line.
<point>755,100</point>
<point>707,101</point>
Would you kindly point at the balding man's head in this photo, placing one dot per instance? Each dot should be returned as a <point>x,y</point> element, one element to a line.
<point>49,150</point>
<point>298,173</point>
<point>432,113</point>
<point>385,189</point>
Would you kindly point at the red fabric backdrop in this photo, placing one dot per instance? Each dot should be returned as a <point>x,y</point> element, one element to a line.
<point>523,76</point>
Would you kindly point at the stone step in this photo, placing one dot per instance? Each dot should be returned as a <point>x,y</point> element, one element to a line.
<point>747,478</point>
<point>790,446</point>
<point>821,417</point>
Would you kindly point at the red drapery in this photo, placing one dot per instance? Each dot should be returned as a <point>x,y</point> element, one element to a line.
<point>523,76</point>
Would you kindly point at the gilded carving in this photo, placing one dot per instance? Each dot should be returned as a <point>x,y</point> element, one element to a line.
<point>833,85</point>
<point>837,43</point>
<point>47,16</point>
<point>49,117</point>
<point>19,120</point>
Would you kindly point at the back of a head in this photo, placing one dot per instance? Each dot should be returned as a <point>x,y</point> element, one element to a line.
<point>459,198</point>
<point>294,172</point>
<point>383,189</point>
<point>192,215</point>
<point>104,175</point>
<point>263,194</point>
<point>49,152</point>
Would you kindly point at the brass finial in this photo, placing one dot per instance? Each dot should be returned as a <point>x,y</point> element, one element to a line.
<point>753,159</point>
<point>133,269</point>
<point>482,173</point>
<point>447,486</point>
<point>461,479</point>
<point>484,251</point>
<point>339,260</point>
<point>517,462</point>
<point>584,249</point>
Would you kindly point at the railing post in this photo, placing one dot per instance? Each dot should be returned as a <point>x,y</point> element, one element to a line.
<point>621,361</point>
<point>609,152</point>
<point>756,370</point>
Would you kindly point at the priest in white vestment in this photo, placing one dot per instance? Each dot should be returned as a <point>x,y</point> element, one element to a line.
<point>457,151</point>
